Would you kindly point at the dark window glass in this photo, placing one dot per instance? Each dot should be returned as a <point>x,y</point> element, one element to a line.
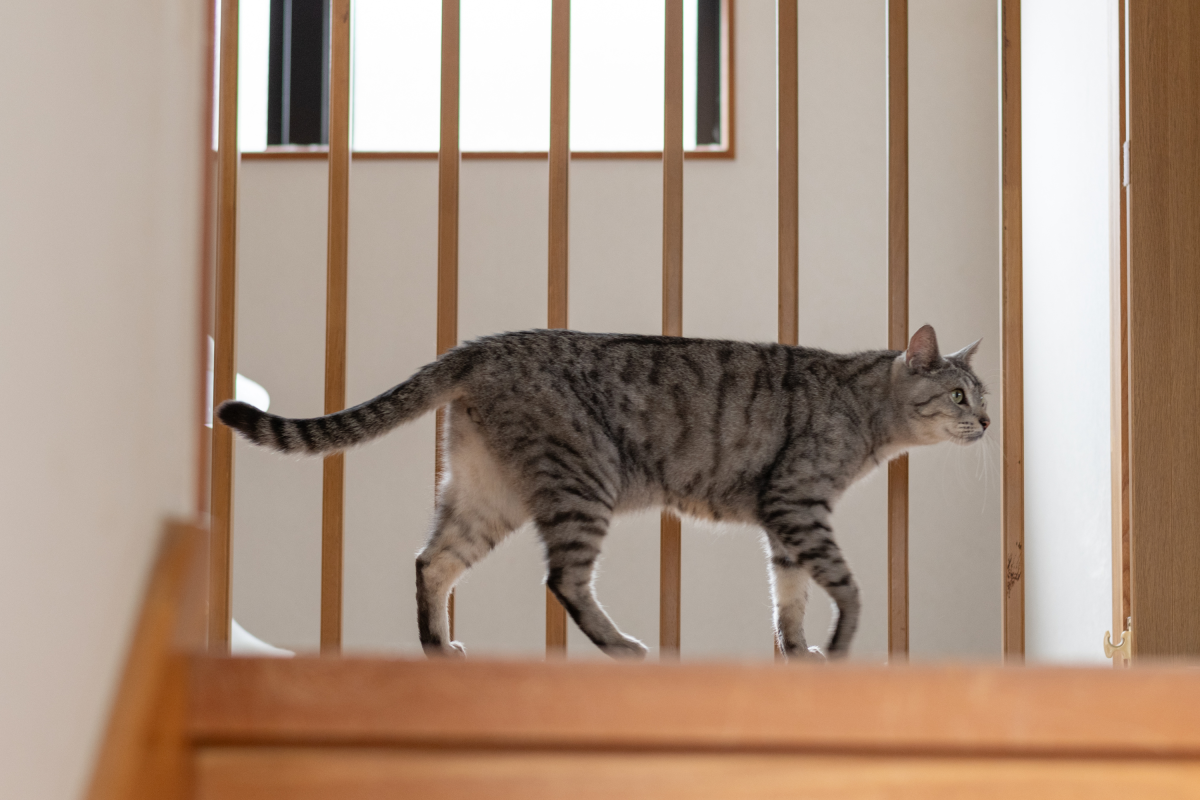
<point>708,72</point>
<point>298,77</point>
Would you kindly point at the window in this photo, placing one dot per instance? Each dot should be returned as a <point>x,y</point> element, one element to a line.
<point>616,74</point>
<point>298,73</point>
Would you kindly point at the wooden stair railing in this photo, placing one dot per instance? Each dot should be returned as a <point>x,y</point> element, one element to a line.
<point>216,728</point>
<point>146,753</point>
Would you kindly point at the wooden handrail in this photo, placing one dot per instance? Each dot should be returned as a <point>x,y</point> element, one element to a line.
<point>145,753</point>
<point>955,710</point>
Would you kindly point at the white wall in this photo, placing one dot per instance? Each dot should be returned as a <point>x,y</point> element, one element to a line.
<point>730,273</point>
<point>1068,71</point>
<point>99,236</point>
<point>954,257</point>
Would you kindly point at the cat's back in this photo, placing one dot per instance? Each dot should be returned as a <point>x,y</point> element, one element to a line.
<point>628,359</point>
<point>623,358</point>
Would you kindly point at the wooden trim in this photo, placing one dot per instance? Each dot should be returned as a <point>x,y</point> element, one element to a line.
<point>557,300</point>
<point>334,474</point>
<point>649,155</point>
<point>788,82</point>
<point>1012,340</point>
<point>728,147</point>
<point>145,753</point>
<point>448,161</point>
<point>1120,360</point>
<point>560,132</point>
<point>897,70</point>
<point>561,705</point>
<point>789,175</point>
<point>897,518</point>
<point>670,585</point>
<point>447,253</point>
<point>556,627</point>
<point>302,152</point>
<point>317,153</point>
<point>204,269</point>
<point>1164,328</point>
<point>224,336</point>
<point>463,774</point>
<point>670,578</point>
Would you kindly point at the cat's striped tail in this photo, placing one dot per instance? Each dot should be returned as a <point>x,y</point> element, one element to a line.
<point>433,385</point>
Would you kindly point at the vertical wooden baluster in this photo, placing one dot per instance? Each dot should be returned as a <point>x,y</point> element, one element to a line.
<point>897,69</point>
<point>669,554</point>
<point>205,273</point>
<point>1120,362</point>
<point>447,265</point>
<point>333,494</point>
<point>789,179</point>
<point>1013,500</point>
<point>560,161</point>
<point>225,336</point>
<point>789,176</point>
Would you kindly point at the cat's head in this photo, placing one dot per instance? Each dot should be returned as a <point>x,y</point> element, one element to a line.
<point>941,397</point>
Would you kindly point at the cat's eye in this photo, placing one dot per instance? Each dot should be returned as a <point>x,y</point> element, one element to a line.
<point>957,396</point>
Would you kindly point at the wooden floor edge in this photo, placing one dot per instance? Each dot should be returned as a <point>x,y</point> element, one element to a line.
<point>934,709</point>
<point>242,774</point>
<point>145,752</point>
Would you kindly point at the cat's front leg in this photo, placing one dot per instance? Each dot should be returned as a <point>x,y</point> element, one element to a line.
<point>789,591</point>
<point>802,546</point>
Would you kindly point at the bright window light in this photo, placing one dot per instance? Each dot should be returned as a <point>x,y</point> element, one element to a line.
<point>397,74</point>
<point>505,69</point>
<point>616,75</point>
<point>254,37</point>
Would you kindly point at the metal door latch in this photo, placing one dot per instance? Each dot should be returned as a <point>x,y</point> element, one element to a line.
<point>1123,648</point>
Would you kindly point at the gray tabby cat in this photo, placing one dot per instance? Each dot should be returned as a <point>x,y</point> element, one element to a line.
<point>569,428</point>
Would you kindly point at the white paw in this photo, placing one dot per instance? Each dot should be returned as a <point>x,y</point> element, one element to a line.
<point>629,648</point>
<point>451,650</point>
<point>813,655</point>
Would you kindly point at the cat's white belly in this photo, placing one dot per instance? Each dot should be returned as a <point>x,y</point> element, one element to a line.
<point>485,486</point>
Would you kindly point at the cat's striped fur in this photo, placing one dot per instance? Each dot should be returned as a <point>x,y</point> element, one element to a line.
<point>569,428</point>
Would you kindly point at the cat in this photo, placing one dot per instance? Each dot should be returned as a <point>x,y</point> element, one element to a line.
<point>567,429</point>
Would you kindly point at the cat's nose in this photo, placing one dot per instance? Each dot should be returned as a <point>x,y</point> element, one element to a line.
<point>984,422</point>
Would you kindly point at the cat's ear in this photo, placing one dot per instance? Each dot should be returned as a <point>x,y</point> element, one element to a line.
<point>965,355</point>
<point>922,354</point>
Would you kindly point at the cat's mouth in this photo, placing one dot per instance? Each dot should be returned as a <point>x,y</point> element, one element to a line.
<point>968,438</point>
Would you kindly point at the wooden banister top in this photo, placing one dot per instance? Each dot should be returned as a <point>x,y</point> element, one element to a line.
<point>957,710</point>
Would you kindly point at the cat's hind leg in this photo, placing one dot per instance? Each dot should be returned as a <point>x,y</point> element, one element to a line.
<point>476,510</point>
<point>802,545</point>
<point>462,534</point>
<point>572,530</point>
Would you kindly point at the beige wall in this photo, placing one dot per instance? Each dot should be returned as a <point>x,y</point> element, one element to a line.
<point>954,253</point>
<point>729,290</point>
<point>99,227</point>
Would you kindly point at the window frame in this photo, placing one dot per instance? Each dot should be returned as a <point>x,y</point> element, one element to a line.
<point>726,150</point>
